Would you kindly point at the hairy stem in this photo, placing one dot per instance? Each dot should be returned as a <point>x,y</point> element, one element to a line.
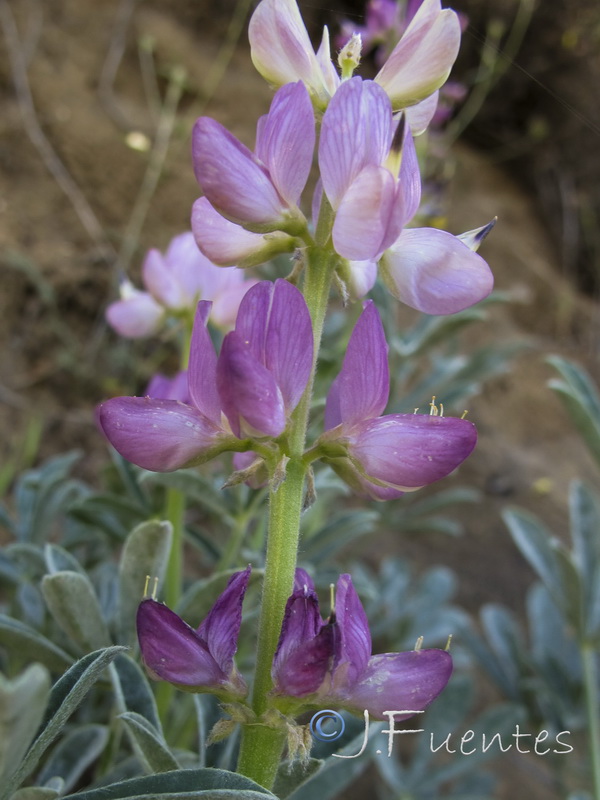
<point>261,748</point>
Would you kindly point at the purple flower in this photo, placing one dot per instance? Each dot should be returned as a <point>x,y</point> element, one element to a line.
<point>385,456</point>
<point>418,65</point>
<point>260,190</point>
<point>163,388</point>
<point>226,243</point>
<point>369,170</point>
<point>329,662</point>
<point>370,175</point>
<point>248,391</point>
<point>174,283</point>
<point>421,61</point>
<point>282,53</point>
<point>435,272</point>
<point>197,660</point>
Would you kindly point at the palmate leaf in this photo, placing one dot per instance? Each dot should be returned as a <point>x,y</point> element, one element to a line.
<point>188,784</point>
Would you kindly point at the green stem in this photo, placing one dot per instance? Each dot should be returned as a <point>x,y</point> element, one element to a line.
<point>592,702</point>
<point>175,513</point>
<point>261,748</point>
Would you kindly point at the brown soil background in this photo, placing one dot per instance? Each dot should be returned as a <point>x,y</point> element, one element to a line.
<point>57,359</point>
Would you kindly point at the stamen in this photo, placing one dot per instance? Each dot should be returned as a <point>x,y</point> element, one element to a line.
<point>332,597</point>
<point>447,648</point>
<point>416,409</point>
<point>464,415</point>
<point>418,644</point>
<point>154,587</point>
<point>433,409</point>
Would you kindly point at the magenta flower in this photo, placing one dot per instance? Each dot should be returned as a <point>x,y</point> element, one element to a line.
<point>196,660</point>
<point>174,283</point>
<point>247,393</point>
<point>260,190</point>
<point>384,456</point>
<point>324,663</point>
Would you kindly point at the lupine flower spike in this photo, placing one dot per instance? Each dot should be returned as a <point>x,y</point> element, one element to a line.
<point>385,456</point>
<point>324,663</point>
<point>196,660</point>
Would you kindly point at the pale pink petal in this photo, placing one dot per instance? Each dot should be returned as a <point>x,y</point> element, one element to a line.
<point>356,132</point>
<point>435,272</point>
<point>160,281</point>
<point>370,215</point>
<point>226,303</point>
<point>422,59</point>
<point>360,277</point>
<point>330,76</point>
<point>280,48</point>
<point>420,115</point>
<point>137,316</point>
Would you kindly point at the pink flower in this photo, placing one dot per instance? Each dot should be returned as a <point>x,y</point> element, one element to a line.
<point>174,282</point>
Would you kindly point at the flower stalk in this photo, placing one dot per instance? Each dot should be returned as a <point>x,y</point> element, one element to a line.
<point>261,748</point>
